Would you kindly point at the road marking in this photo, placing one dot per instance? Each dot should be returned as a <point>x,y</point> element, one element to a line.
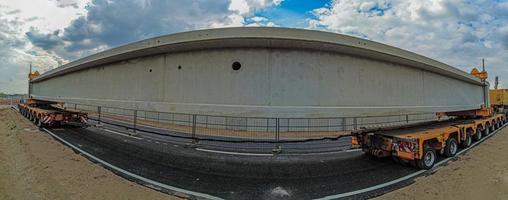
<point>122,134</point>
<point>268,154</point>
<point>376,187</point>
<point>138,177</point>
<point>234,153</point>
<point>353,150</point>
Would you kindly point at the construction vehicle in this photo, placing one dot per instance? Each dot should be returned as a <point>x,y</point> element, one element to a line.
<point>420,144</point>
<point>49,113</point>
<point>499,97</point>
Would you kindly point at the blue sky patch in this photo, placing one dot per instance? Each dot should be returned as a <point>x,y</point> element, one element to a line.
<point>293,13</point>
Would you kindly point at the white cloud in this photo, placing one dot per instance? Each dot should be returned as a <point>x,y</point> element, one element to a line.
<point>49,33</point>
<point>16,53</point>
<point>242,9</point>
<point>248,7</point>
<point>45,15</point>
<point>456,32</point>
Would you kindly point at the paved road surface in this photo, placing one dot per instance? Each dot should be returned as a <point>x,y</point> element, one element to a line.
<point>358,171</point>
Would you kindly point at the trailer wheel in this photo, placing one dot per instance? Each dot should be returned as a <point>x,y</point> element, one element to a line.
<point>39,123</point>
<point>479,132</point>
<point>451,147</point>
<point>487,131</point>
<point>468,141</point>
<point>428,160</point>
<point>491,128</point>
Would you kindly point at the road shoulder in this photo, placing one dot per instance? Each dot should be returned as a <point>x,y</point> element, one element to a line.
<point>35,166</point>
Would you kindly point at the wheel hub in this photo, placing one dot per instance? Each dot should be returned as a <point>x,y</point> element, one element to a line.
<point>429,158</point>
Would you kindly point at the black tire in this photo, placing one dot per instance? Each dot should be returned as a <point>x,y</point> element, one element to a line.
<point>491,128</point>
<point>451,147</point>
<point>428,159</point>
<point>468,141</point>
<point>487,131</point>
<point>479,134</point>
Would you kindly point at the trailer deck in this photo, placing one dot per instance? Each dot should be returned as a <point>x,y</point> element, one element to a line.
<point>44,113</point>
<point>418,144</point>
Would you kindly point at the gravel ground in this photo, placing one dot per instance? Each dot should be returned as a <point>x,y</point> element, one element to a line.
<point>481,173</point>
<point>35,166</point>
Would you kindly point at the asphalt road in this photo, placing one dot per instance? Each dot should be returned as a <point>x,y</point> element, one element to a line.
<point>146,157</point>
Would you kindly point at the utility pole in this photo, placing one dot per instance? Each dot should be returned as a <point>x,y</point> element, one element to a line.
<point>485,90</point>
<point>483,64</point>
<point>29,84</point>
<point>496,82</point>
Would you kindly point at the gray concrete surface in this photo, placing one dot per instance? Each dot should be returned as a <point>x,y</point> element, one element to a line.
<point>284,73</point>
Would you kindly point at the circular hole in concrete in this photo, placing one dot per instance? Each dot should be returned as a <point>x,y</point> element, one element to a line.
<point>179,67</point>
<point>150,70</point>
<point>236,66</point>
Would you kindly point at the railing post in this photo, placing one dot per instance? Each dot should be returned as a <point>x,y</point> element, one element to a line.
<point>277,129</point>
<point>194,126</point>
<point>308,125</point>
<point>99,113</point>
<point>267,124</point>
<point>194,139</point>
<point>407,119</point>
<point>355,123</point>
<point>277,149</point>
<point>344,125</point>
<point>135,120</point>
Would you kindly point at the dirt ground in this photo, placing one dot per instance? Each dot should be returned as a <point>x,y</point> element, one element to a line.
<point>481,173</point>
<point>35,166</point>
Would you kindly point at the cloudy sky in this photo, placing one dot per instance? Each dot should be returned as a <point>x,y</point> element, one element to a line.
<point>49,33</point>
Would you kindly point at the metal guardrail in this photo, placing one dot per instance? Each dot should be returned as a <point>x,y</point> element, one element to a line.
<point>243,132</point>
<point>11,100</point>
